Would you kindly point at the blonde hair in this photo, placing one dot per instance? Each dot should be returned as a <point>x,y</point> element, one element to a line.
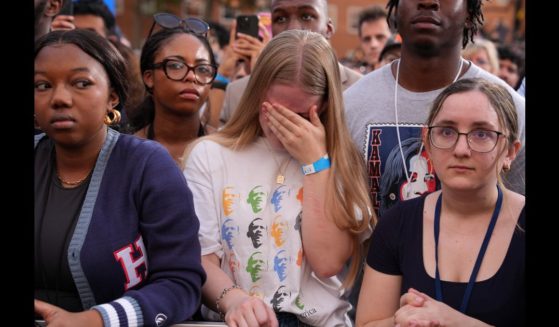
<point>499,98</point>
<point>489,48</point>
<point>305,59</point>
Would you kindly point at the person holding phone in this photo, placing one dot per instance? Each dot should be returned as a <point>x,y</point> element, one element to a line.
<point>247,38</point>
<point>309,15</point>
<point>247,43</point>
<point>93,15</point>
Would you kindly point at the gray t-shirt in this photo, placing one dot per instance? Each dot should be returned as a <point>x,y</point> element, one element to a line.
<point>370,116</point>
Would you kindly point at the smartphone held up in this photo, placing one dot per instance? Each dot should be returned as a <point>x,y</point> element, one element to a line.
<point>248,24</point>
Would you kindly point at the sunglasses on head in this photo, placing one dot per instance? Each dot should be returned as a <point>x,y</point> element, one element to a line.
<point>170,21</point>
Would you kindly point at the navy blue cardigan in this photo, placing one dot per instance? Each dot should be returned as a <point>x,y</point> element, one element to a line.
<point>135,254</point>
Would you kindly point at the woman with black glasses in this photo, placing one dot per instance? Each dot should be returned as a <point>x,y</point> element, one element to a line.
<point>178,68</point>
<point>455,257</point>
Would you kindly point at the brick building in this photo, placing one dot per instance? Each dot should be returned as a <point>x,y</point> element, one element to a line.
<point>503,18</point>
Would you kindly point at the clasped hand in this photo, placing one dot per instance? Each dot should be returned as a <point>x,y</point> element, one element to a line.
<point>417,309</point>
<point>250,311</point>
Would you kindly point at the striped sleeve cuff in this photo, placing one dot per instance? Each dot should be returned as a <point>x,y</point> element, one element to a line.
<point>122,312</point>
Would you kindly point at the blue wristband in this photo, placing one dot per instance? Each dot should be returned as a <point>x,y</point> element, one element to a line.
<point>321,164</point>
<point>221,78</point>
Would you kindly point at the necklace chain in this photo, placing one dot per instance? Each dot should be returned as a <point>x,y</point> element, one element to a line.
<point>280,178</point>
<point>408,178</point>
<point>71,183</point>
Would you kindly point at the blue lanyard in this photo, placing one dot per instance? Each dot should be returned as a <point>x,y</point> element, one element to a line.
<point>471,282</point>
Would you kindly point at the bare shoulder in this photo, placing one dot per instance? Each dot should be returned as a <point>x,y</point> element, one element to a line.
<point>514,203</point>
<point>515,199</point>
<point>431,201</point>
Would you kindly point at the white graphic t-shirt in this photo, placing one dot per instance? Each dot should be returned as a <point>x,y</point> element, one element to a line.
<point>253,224</point>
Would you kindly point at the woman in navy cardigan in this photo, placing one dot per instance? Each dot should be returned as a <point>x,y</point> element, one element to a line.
<point>115,227</point>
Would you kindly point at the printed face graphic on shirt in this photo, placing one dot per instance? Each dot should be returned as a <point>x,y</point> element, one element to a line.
<point>255,266</point>
<point>280,264</point>
<point>392,172</point>
<point>229,230</point>
<point>300,195</point>
<point>279,231</point>
<point>299,261</point>
<point>278,197</point>
<point>228,200</point>
<point>280,299</point>
<point>256,232</point>
<point>298,221</point>
<point>422,179</point>
<point>256,198</point>
<point>299,302</point>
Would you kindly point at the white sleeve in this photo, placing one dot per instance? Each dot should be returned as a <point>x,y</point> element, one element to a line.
<point>225,108</point>
<point>198,173</point>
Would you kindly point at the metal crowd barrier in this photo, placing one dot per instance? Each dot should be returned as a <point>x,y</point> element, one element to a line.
<point>200,323</point>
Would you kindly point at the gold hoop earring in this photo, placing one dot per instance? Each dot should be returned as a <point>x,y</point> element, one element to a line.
<point>115,119</point>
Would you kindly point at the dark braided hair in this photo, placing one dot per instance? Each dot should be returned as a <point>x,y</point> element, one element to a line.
<point>474,12</point>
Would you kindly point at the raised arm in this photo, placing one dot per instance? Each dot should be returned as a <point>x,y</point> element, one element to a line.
<point>326,246</point>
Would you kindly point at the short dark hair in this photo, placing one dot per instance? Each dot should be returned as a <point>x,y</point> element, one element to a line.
<point>509,53</point>
<point>97,47</point>
<point>371,14</point>
<point>390,46</point>
<point>96,8</point>
<point>220,32</point>
<point>474,11</point>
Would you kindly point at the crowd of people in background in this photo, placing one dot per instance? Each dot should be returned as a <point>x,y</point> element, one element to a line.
<point>261,180</point>
<point>376,38</point>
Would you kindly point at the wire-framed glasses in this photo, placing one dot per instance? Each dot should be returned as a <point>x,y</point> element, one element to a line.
<point>170,21</point>
<point>177,70</point>
<point>479,140</point>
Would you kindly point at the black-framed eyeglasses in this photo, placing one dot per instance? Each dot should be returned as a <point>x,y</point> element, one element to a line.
<point>170,21</point>
<point>479,140</point>
<point>177,70</point>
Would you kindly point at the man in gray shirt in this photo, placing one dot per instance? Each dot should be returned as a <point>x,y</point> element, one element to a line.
<point>387,109</point>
